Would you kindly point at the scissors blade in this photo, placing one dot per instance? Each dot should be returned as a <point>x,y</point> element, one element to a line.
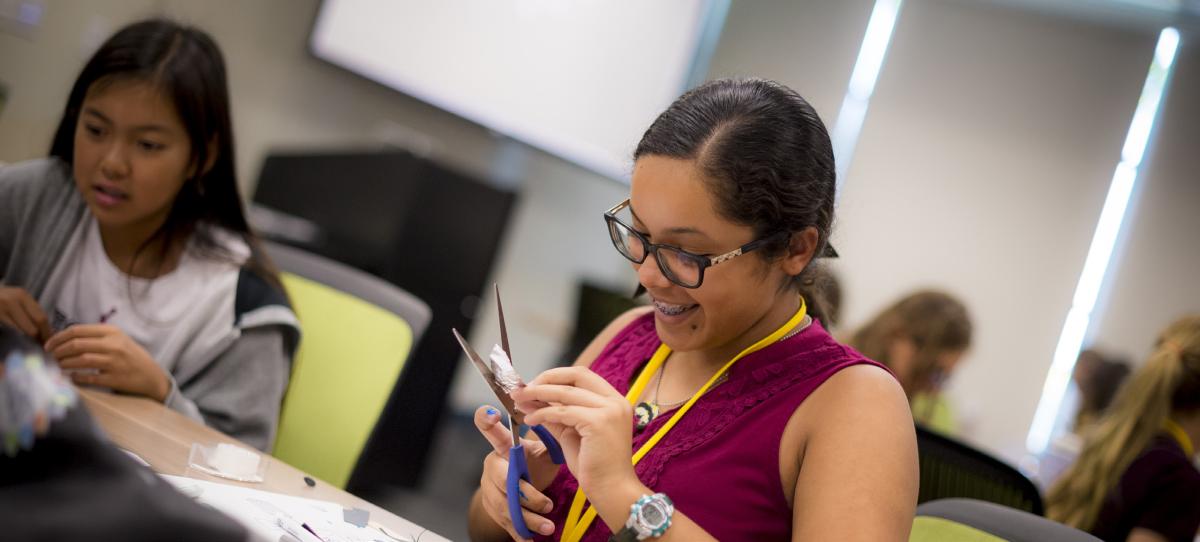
<point>503,328</point>
<point>485,371</point>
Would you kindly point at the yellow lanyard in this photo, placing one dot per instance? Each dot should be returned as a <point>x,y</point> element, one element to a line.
<point>1181,436</point>
<point>578,521</point>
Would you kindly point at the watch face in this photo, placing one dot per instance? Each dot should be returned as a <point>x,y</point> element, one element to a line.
<point>653,514</point>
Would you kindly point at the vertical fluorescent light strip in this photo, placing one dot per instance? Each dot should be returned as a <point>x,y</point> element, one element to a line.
<point>1108,228</point>
<point>862,84</point>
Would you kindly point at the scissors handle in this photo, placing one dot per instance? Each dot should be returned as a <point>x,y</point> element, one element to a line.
<point>517,471</point>
<point>556,453</point>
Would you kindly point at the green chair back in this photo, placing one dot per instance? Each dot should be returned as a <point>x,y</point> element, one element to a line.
<point>349,359</point>
<point>973,520</point>
<point>927,529</point>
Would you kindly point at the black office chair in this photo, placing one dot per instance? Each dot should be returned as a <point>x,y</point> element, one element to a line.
<point>950,468</point>
<point>993,519</point>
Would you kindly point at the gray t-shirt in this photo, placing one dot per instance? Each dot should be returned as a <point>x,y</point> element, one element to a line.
<point>228,351</point>
<point>179,318</point>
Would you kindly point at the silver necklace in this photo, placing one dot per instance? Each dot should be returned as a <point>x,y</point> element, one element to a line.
<point>796,330</point>
<point>646,411</point>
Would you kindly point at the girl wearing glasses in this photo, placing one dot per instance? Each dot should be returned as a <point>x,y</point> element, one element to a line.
<point>724,411</point>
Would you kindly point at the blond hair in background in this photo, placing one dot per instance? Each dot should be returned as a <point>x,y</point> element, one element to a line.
<point>1168,382</point>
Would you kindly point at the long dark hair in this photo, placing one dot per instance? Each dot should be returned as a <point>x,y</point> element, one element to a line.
<point>187,66</point>
<point>767,159</point>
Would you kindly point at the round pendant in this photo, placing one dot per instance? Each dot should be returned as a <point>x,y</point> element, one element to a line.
<point>643,414</point>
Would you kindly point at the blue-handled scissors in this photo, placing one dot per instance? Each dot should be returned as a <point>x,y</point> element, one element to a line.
<point>517,468</point>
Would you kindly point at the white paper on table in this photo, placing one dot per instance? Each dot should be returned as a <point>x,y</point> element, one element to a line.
<point>258,511</point>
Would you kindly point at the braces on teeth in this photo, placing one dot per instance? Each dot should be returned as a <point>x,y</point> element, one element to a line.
<point>671,310</point>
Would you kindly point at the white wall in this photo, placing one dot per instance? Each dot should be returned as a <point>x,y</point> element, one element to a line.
<point>809,46</point>
<point>40,68</point>
<point>981,170</point>
<point>1157,276</point>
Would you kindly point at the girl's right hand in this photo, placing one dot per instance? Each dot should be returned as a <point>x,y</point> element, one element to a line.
<point>19,310</point>
<point>494,496</point>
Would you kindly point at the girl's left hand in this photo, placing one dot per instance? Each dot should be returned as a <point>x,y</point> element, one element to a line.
<point>591,421</point>
<point>119,362</point>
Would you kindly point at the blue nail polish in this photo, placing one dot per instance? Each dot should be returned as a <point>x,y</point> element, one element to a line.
<point>522,494</point>
<point>491,412</point>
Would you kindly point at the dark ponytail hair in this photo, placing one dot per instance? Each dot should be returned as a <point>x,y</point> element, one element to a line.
<point>186,65</point>
<point>767,159</point>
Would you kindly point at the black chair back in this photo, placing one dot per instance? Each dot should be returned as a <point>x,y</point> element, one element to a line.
<point>950,468</point>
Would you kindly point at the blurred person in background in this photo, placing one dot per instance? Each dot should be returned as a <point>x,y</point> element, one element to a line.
<point>1098,377</point>
<point>1135,479</point>
<point>921,338</point>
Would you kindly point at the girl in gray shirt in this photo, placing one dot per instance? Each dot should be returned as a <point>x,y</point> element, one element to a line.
<point>127,252</point>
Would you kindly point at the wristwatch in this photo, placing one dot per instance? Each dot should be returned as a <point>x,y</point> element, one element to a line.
<point>649,516</point>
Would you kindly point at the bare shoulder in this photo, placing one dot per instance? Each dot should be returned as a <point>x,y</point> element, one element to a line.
<point>862,387</point>
<point>857,472</point>
<point>606,335</point>
<point>858,402</point>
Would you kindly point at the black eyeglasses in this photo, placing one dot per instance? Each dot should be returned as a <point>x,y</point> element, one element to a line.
<point>679,266</point>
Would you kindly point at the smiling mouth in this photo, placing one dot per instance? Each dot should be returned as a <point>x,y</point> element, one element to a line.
<point>669,309</point>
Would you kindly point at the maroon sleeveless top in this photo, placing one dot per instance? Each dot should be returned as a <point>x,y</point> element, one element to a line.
<point>720,463</point>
